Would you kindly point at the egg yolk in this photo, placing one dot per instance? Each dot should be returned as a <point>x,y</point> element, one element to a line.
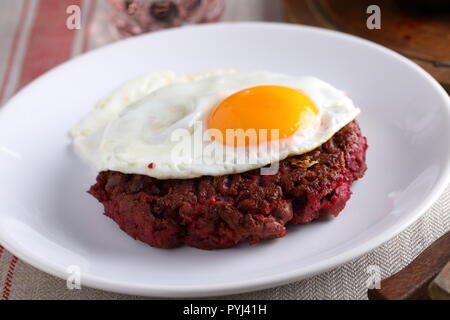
<point>263,107</point>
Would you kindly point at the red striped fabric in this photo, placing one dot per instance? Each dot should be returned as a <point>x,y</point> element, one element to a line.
<point>50,40</point>
<point>25,8</point>
<point>9,278</point>
<point>49,43</point>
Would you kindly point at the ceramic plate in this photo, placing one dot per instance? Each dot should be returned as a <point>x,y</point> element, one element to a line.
<point>48,220</point>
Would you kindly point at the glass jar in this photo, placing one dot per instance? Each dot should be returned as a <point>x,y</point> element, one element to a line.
<point>133,17</point>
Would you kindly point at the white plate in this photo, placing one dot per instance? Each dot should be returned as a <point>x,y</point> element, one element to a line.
<point>48,220</point>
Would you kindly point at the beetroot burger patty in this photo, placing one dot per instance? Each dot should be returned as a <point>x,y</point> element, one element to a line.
<point>219,212</point>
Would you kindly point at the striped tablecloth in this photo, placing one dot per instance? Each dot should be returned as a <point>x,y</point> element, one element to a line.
<point>34,39</point>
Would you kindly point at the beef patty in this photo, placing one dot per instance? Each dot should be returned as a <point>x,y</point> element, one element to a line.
<point>219,212</point>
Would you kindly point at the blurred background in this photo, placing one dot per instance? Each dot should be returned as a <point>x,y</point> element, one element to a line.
<point>37,35</point>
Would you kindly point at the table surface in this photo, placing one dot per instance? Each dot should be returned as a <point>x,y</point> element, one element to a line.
<point>30,30</point>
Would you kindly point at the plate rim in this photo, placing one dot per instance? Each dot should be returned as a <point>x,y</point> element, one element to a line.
<point>259,283</point>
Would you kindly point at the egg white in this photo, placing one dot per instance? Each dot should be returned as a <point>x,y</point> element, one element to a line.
<point>135,125</point>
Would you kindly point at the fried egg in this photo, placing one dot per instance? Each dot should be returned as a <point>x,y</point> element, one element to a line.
<point>171,126</point>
